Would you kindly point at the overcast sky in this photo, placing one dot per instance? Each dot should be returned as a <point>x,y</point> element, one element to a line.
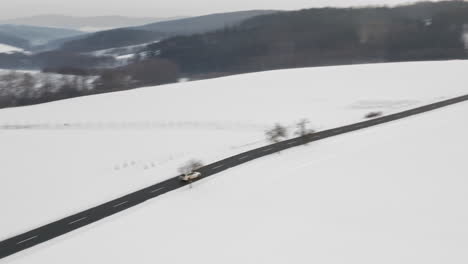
<point>162,8</point>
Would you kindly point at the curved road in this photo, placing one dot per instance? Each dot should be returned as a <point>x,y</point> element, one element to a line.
<point>39,235</point>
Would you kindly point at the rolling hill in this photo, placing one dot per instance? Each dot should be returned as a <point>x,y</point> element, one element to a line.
<point>38,35</point>
<point>95,23</point>
<point>14,41</point>
<point>203,24</point>
<point>111,39</point>
<point>388,194</point>
<point>135,138</point>
<point>324,36</point>
<point>137,35</point>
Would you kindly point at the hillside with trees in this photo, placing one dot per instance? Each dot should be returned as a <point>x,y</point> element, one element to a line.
<point>53,59</point>
<point>157,31</point>
<point>20,88</point>
<point>38,35</point>
<point>112,39</point>
<point>14,41</point>
<point>324,36</point>
<point>202,24</point>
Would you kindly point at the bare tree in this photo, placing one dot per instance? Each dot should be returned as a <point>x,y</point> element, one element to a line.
<point>303,131</point>
<point>12,88</point>
<point>27,81</point>
<point>190,166</point>
<point>112,80</point>
<point>302,128</point>
<point>277,133</point>
<point>48,85</point>
<point>10,79</point>
<point>26,86</point>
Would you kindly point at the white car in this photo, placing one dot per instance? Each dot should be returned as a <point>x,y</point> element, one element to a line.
<point>190,176</point>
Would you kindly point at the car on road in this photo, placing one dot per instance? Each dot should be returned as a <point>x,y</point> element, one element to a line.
<point>190,176</point>
<point>373,115</point>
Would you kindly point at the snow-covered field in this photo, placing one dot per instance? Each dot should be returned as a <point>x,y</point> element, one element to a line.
<point>4,48</point>
<point>395,193</point>
<point>344,194</point>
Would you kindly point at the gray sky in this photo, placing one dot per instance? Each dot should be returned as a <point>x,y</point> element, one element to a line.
<point>160,8</point>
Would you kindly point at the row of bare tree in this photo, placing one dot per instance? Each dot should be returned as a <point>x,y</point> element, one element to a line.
<point>276,134</point>
<point>23,88</point>
<point>280,132</point>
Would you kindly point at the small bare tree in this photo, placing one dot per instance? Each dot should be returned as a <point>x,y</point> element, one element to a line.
<point>302,128</point>
<point>303,131</point>
<point>277,133</point>
<point>190,166</point>
<point>10,80</point>
<point>48,85</point>
<point>27,81</point>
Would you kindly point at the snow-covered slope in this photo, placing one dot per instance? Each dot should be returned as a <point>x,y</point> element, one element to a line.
<point>9,49</point>
<point>328,95</point>
<point>72,154</point>
<point>394,193</point>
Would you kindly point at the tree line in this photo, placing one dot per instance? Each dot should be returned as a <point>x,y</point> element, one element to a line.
<point>324,36</point>
<point>23,88</point>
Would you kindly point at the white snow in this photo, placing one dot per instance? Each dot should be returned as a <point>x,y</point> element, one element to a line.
<point>329,96</point>
<point>349,193</point>
<point>94,29</point>
<point>125,57</point>
<point>395,193</point>
<point>4,48</point>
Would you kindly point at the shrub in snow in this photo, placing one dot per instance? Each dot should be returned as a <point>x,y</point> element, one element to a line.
<point>302,129</point>
<point>277,133</point>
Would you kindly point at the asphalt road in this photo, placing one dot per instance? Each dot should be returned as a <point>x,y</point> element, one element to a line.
<point>42,234</point>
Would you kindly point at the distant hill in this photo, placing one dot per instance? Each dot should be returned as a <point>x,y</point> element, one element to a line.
<point>157,31</point>
<point>38,35</point>
<point>14,41</point>
<point>203,24</point>
<point>52,59</point>
<point>112,39</point>
<point>57,43</point>
<point>324,36</point>
<point>4,48</point>
<point>96,23</point>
